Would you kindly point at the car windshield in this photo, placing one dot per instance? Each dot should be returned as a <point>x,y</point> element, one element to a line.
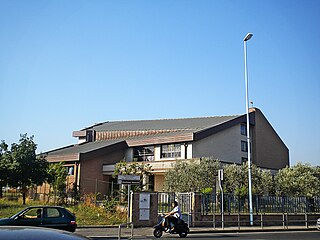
<point>18,214</point>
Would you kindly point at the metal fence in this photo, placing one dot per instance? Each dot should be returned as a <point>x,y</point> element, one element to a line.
<point>165,200</point>
<point>211,204</point>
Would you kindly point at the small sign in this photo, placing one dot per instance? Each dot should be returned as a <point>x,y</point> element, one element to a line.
<point>144,201</point>
<point>144,206</point>
<point>144,214</point>
<point>128,179</point>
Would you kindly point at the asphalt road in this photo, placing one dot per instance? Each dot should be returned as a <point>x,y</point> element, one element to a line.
<point>282,235</point>
<point>253,236</point>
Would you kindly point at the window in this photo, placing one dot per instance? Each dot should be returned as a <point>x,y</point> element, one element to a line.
<point>171,151</point>
<point>244,146</point>
<point>70,170</point>
<point>141,154</point>
<point>33,213</point>
<point>243,129</point>
<point>53,213</point>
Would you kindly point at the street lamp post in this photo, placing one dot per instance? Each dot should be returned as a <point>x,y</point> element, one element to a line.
<point>247,37</point>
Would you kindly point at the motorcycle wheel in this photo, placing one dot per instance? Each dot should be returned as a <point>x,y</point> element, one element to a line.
<point>157,233</point>
<point>183,234</point>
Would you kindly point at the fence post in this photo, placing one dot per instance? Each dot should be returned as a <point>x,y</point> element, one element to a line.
<point>306,220</point>
<point>257,203</point>
<point>125,225</point>
<point>261,221</point>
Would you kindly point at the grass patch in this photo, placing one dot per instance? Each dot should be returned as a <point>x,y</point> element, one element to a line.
<point>9,208</point>
<point>86,215</point>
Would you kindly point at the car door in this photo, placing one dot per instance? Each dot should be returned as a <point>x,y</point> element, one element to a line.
<point>53,218</point>
<point>31,217</point>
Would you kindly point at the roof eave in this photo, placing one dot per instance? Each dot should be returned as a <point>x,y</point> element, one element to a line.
<point>181,137</point>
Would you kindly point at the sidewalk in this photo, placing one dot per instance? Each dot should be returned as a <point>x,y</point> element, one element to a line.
<point>112,231</point>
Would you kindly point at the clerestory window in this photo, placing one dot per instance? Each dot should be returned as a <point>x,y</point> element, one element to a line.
<point>142,154</point>
<point>171,151</point>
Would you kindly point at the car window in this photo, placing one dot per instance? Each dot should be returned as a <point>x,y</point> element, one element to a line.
<point>33,213</point>
<point>53,213</point>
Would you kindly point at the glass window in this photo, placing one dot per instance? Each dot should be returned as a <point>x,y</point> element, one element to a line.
<point>33,213</point>
<point>243,129</point>
<point>70,170</point>
<point>53,213</point>
<point>244,146</point>
<point>141,154</point>
<point>171,151</point>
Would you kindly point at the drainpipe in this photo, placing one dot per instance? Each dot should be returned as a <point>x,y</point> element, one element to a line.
<point>185,150</point>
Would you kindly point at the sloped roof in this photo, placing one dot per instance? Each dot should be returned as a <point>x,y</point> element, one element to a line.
<point>83,147</point>
<point>183,128</point>
<point>193,124</point>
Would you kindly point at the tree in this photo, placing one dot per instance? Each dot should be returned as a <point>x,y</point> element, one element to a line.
<point>195,175</point>
<point>28,169</point>
<point>299,180</point>
<point>134,168</point>
<point>236,180</point>
<point>5,166</point>
<point>57,175</point>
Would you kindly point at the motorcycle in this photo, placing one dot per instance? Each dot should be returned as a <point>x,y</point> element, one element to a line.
<point>180,228</point>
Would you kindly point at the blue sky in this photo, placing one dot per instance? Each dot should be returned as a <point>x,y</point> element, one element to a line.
<point>65,65</point>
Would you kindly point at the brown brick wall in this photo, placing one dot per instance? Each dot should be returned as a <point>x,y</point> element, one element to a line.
<point>91,178</point>
<point>153,211</point>
<point>268,149</point>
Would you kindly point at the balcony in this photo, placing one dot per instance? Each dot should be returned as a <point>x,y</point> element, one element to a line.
<point>157,166</point>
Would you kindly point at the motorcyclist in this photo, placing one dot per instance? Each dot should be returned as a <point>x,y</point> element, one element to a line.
<point>173,217</point>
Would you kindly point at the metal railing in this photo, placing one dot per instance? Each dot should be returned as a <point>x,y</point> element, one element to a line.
<point>261,220</point>
<point>125,225</point>
<point>211,203</point>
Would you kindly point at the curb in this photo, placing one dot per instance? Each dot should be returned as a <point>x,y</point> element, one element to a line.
<point>251,230</point>
<point>98,226</point>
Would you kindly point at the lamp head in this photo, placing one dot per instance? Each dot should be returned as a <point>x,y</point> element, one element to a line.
<point>247,37</point>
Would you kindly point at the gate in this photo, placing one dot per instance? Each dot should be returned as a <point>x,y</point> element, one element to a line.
<point>184,200</point>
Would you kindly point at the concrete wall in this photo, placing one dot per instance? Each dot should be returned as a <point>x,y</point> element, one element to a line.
<point>224,146</point>
<point>268,150</point>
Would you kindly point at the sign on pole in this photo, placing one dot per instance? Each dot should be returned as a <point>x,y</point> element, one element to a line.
<point>129,179</point>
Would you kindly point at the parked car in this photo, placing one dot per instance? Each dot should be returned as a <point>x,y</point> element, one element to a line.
<point>43,216</point>
<point>318,224</point>
<point>36,233</point>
